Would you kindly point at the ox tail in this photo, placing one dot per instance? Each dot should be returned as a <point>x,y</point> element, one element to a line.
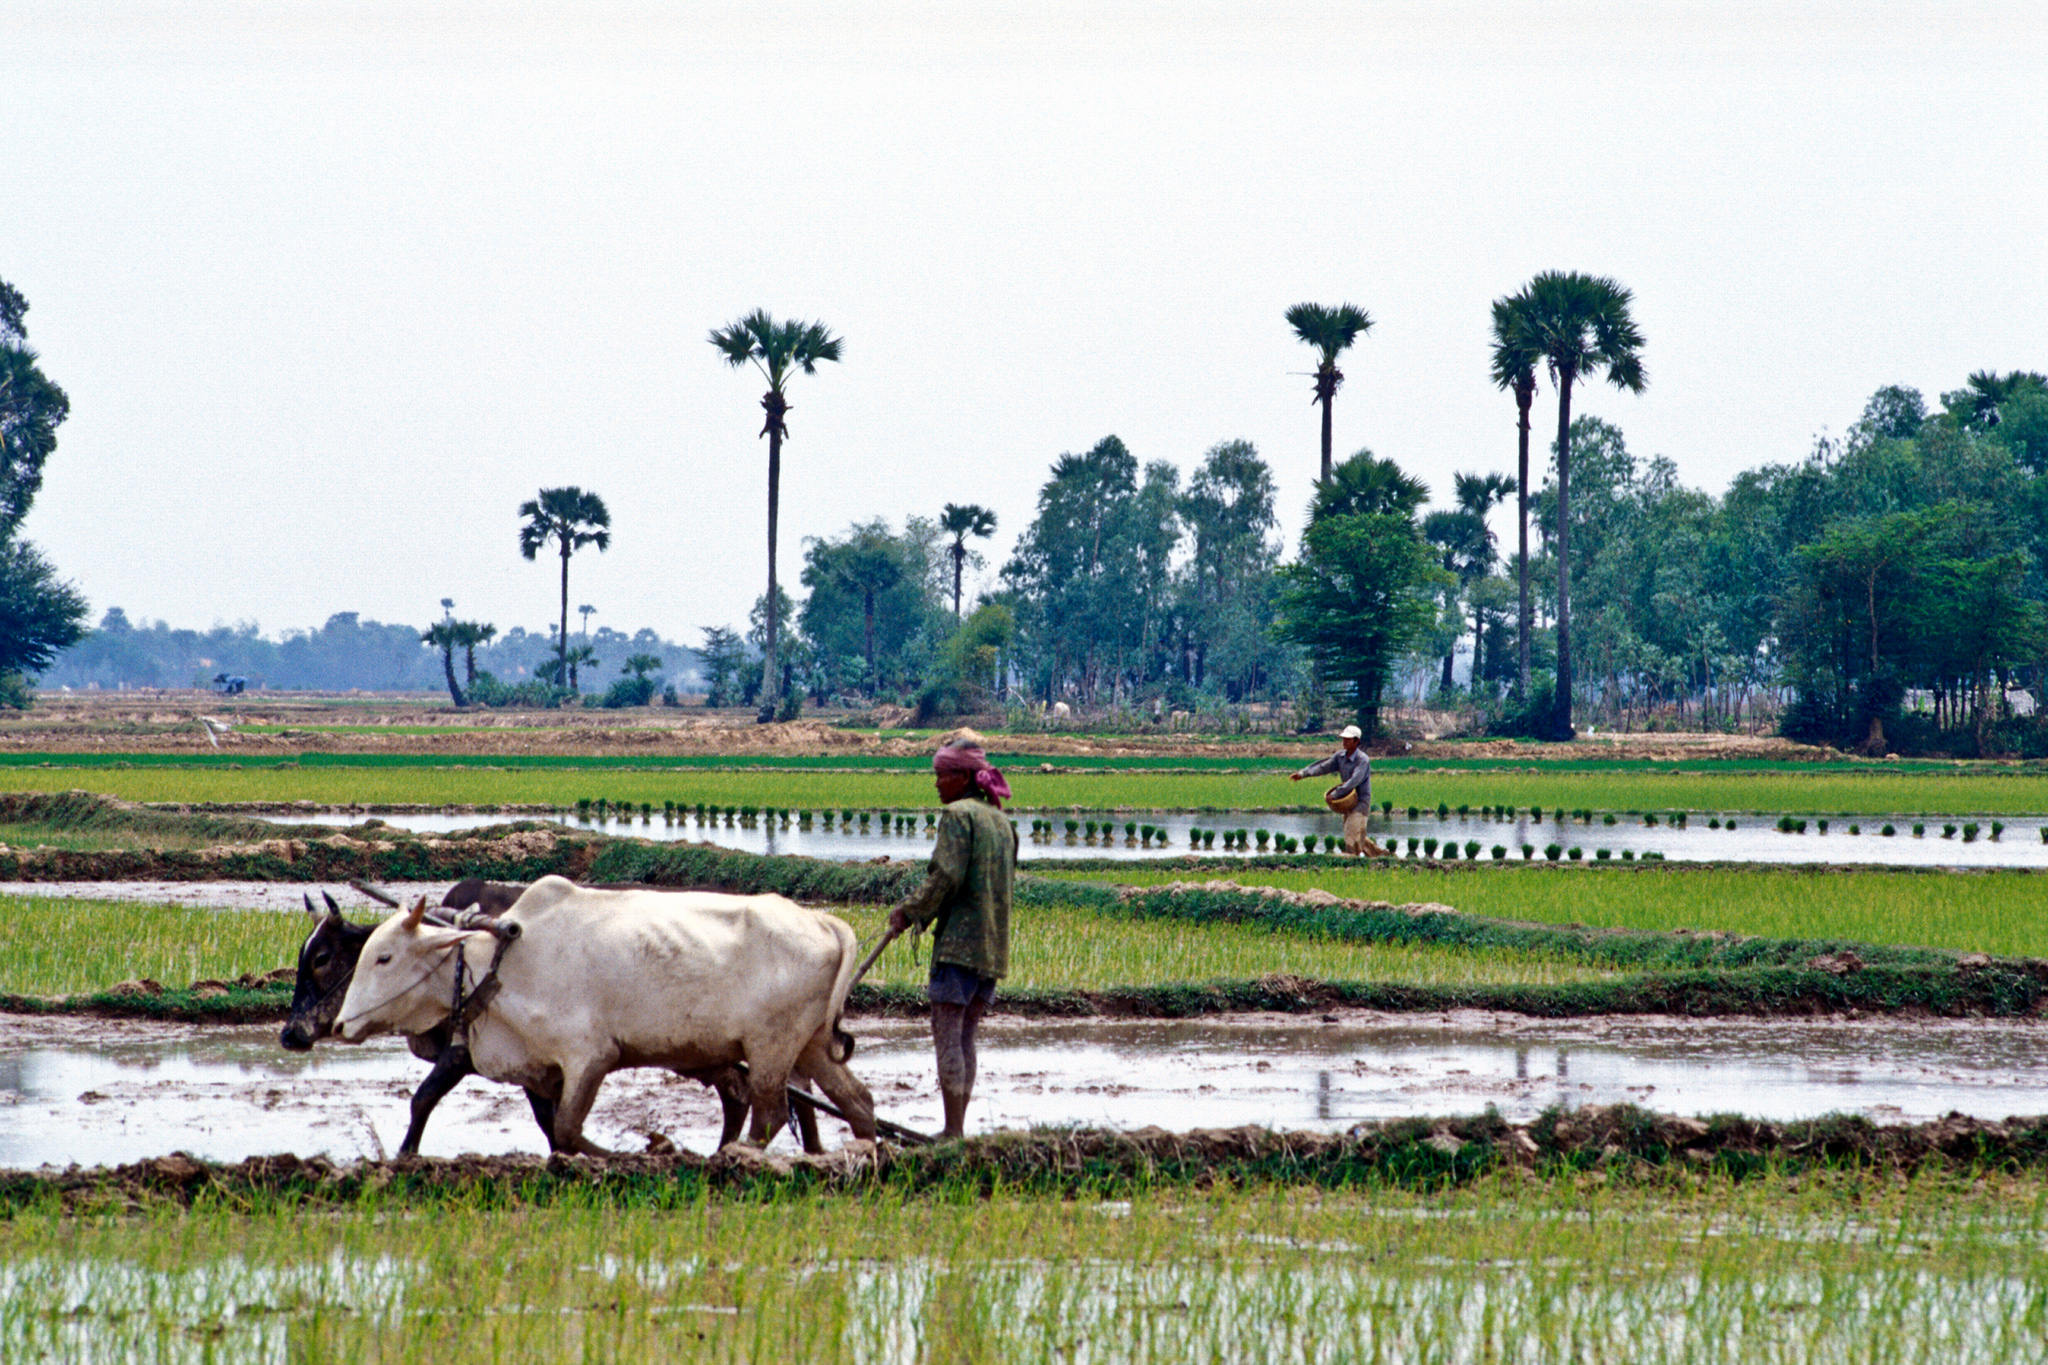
<point>849,962</point>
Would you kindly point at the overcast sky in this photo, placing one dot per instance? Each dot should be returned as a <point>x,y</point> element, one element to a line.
<point>335,286</point>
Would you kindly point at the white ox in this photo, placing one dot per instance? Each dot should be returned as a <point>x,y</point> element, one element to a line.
<point>603,980</point>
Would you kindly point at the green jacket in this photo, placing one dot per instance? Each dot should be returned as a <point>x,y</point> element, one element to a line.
<point>967,888</point>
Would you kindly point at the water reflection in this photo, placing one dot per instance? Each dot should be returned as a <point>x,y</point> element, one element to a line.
<point>230,1093</point>
<point>1518,839</point>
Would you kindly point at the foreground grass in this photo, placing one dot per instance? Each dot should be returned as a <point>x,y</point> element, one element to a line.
<point>1999,912</point>
<point>68,947</point>
<point>1829,792</point>
<point>1508,1269</point>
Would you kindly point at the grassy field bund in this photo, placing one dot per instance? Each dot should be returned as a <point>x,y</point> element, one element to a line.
<point>1835,1267</point>
<point>1819,790</point>
<point>1999,912</point>
<point>57,946</point>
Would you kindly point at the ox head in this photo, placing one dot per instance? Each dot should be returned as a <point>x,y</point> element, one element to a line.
<point>325,962</point>
<point>403,978</point>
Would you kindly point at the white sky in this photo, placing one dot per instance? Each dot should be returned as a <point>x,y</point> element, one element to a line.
<point>335,286</point>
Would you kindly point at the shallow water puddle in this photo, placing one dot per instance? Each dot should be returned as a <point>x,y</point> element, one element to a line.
<point>99,1092</point>
<point>1754,838</point>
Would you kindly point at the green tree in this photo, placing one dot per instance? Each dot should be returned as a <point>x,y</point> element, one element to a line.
<point>40,616</point>
<point>775,349</point>
<point>1093,573</point>
<point>1581,325</point>
<point>866,566</point>
<point>31,409</point>
<point>961,522</point>
<point>1466,542</point>
<point>444,637</point>
<point>571,519</point>
<point>1515,357</point>
<point>1331,331</point>
<point>725,661</point>
<point>469,635</point>
<point>1360,595</point>
<point>1228,512</point>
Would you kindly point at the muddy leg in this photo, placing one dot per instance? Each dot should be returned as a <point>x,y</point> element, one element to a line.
<point>956,1082</point>
<point>969,1022</point>
<point>543,1114</point>
<point>579,1092</point>
<point>732,1099</point>
<point>450,1068</point>
<point>768,1093</point>
<point>806,1115</point>
<point>845,1089</point>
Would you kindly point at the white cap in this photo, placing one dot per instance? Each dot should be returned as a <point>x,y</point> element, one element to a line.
<point>1351,732</point>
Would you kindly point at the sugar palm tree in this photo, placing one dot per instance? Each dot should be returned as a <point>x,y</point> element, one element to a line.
<point>571,519</point>
<point>1580,324</point>
<point>1515,357</point>
<point>442,635</point>
<point>470,634</point>
<point>1331,331</point>
<point>1476,495</point>
<point>961,522</point>
<point>774,348</point>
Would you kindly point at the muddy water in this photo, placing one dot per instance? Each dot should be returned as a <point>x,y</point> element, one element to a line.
<point>1754,838</point>
<point>96,1091</point>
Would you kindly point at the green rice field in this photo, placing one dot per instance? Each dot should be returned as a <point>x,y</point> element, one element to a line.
<point>1999,912</point>
<point>54,946</point>
<point>1844,1268</point>
<point>417,783</point>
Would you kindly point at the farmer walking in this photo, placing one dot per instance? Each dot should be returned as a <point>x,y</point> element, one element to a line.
<point>966,898</point>
<point>1352,797</point>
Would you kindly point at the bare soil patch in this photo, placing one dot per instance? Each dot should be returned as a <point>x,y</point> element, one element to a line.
<point>170,722</point>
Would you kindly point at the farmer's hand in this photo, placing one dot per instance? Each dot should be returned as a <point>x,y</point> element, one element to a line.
<point>899,919</point>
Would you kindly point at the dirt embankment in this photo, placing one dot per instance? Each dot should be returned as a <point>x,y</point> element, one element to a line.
<point>267,727</point>
<point>1618,1142</point>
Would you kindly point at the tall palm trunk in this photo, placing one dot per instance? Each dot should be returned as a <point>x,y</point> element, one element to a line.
<point>1525,622</point>
<point>562,645</point>
<point>775,406</point>
<point>1326,393</point>
<point>1561,719</point>
<point>959,553</point>
<point>448,670</point>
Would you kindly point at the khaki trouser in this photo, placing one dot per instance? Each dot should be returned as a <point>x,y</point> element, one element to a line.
<point>1355,838</point>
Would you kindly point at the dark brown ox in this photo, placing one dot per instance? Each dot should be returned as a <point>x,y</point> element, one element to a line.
<point>327,963</point>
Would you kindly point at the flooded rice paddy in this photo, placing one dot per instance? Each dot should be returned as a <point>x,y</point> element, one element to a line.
<point>96,1091</point>
<point>1739,838</point>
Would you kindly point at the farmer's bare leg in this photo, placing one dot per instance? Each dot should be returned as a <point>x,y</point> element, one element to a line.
<point>952,1043</point>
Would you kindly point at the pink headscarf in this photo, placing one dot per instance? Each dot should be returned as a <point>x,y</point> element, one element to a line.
<point>970,759</point>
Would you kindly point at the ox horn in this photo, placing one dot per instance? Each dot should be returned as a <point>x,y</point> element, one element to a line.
<point>333,908</point>
<point>307,897</point>
<point>416,914</point>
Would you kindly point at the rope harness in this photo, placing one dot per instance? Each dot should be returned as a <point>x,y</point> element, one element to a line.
<point>463,1010</point>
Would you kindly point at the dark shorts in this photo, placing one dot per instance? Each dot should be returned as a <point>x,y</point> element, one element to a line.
<point>951,985</point>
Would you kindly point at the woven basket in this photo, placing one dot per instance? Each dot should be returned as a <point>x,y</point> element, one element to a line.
<point>1344,804</point>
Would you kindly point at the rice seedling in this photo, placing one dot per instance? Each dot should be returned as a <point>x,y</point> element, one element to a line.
<point>1471,848</point>
<point>1602,854</point>
<point>432,781</point>
<point>64,946</point>
<point>1770,1271</point>
<point>1575,853</point>
<point>1995,912</point>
